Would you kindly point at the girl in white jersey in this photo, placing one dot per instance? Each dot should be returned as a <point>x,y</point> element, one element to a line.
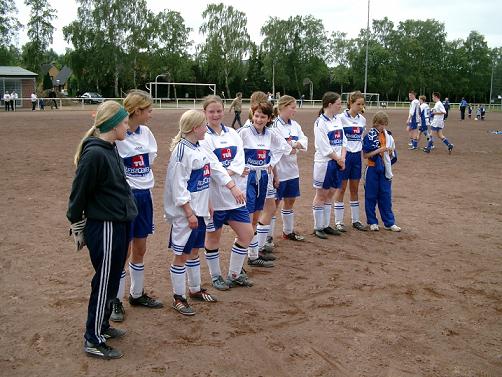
<point>425,115</point>
<point>437,124</point>
<point>138,152</point>
<point>353,126</point>
<point>224,145</point>
<point>186,207</point>
<point>329,161</point>
<point>262,150</point>
<point>287,167</point>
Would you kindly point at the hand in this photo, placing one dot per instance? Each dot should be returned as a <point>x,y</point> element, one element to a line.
<point>341,163</point>
<point>239,196</point>
<point>193,222</point>
<point>294,151</point>
<point>245,173</point>
<point>276,181</point>
<point>77,231</point>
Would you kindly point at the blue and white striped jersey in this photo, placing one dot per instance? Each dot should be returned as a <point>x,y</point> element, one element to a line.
<point>353,127</point>
<point>329,137</point>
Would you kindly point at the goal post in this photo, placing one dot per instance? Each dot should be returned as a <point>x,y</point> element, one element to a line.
<point>158,89</point>
<point>372,100</point>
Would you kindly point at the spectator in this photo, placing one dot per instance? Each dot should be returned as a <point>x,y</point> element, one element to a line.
<point>13,98</point>
<point>446,105</point>
<point>6,100</point>
<point>52,96</point>
<point>463,105</point>
<point>469,111</point>
<point>34,100</point>
<point>237,106</point>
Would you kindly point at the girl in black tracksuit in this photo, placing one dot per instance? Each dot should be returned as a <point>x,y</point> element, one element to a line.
<point>102,200</point>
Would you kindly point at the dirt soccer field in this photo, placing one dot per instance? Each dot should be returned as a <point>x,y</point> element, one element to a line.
<point>423,302</point>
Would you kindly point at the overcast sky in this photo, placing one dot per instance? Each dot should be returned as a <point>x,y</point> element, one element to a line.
<point>349,16</point>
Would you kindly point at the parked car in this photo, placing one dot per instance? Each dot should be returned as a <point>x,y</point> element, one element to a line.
<point>92,97</point>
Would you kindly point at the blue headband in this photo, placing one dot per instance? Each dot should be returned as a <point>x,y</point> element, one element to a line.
<point>111,123</point>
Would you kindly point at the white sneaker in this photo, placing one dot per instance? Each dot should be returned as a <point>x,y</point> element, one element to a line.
<point>374,227</point>
<point>393,228</point>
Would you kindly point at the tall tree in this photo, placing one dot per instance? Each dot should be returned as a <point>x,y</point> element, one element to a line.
<point>227,40</point>
<point>40,32</point>
<point>9,24</point>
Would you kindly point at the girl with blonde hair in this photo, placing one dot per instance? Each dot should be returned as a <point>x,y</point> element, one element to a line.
<point>100,208</point>
<point>138,151</point>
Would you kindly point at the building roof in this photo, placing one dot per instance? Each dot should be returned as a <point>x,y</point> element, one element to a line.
<point>63,76</point>
<point>15,71</point>
<point>44,68</point>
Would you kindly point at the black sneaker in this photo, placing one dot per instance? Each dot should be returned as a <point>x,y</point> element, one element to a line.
<point>118,312</point>
<point>359,226</point>
<point>450,148</point>
<point>113,333</point>
<point>260,262</point>
<point>331,231</point>
<point>146,301</point>
<point>101,350</point>
<point>266,256</point>
<point>319,233</point>
<point>181,305</point>
<point>426,150</point>
<point>292,236</point>
<point>241,280</point>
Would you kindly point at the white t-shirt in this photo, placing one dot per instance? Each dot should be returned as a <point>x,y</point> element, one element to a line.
<point>353,128</point>
<point>438,120</point>
<point>291,131</point>
<point>329,137</point>
<point>138,151</point>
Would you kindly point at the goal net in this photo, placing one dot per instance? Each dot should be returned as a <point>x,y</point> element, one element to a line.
<point>372,100</point>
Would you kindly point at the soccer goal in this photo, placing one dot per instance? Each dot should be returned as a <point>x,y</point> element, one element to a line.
<point>372,100</point>
<point>179,90</point>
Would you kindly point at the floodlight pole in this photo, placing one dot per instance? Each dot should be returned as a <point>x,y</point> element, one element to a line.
<point>367,42</point>
<point>491,87</point>
<point>156,78</point>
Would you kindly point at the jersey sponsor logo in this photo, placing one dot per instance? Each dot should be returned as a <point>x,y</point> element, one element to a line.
<point>226,155</point>
<point>199,179</point>
<point>257,157</point>
<point>137,166</point>
<point>335,137</point>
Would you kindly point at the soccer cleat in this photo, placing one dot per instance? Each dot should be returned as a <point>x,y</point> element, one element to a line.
<point>340,227</point>
<point>412,148</point>
<point>359,226</point>
<point>180,304</point>
<point>426,150</point>
<point>113,333</point>
<point>329,230</point>
<point>393,228</point>
<point>220,284</point>
<point>374,227</point>
<point>260,262</point>
<point>292,236</point>
<point>146,301</point>
<point>450,148</point>
<point>270,241</point>
<point>202,295</point>
<point>267,248</point>
<point>101,350</point>
<point>266,256</point>
<point>319,233</point>
<point>118,312</point>
<point>240,280</point>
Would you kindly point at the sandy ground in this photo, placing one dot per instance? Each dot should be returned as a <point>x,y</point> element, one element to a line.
<point>423,302</point>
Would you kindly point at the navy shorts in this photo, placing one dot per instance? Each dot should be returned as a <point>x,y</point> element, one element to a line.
<point>353,166</point>
<point>256,192</point>
<point>221,218</point>
<point>327,175</point>
<point>289,189</point>
<point>143,224</point>
<point>413,125</point>
<point>182,239</point>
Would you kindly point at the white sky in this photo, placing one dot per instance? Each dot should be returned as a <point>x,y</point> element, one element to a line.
<point>460,16</point>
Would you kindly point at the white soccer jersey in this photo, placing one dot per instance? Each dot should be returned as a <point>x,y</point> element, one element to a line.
<point>414,114</point>
<point>425,114</point>
<point>187,180</point>
<point>353,127</point>
<point>262,150</point>
<point>329,137</point>
<point>291,132</point>
<point>438,120</point>
<point>225,148</point>
<point>138,151</point>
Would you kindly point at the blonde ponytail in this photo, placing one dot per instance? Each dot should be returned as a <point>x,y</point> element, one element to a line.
<point>188,121</point>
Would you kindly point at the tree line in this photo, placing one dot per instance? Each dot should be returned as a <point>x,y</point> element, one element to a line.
<point>116,47</point>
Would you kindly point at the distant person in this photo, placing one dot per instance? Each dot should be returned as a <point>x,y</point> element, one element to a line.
<point>446,105</point>
<point>483,112</point>
<point>6,100</point>
<point>13,98</point>
<point>302,98</point>
<point>425,115</point>
<point>34,100</point>
<point>237,106</point>
<point>469,111</point>
<point>41,104</point>
<point>52,96</point>
<point>480,113</point>
<point>270,98</point>
<point>413,120</point>
<point>437,124</point>
<point>463,106</point>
